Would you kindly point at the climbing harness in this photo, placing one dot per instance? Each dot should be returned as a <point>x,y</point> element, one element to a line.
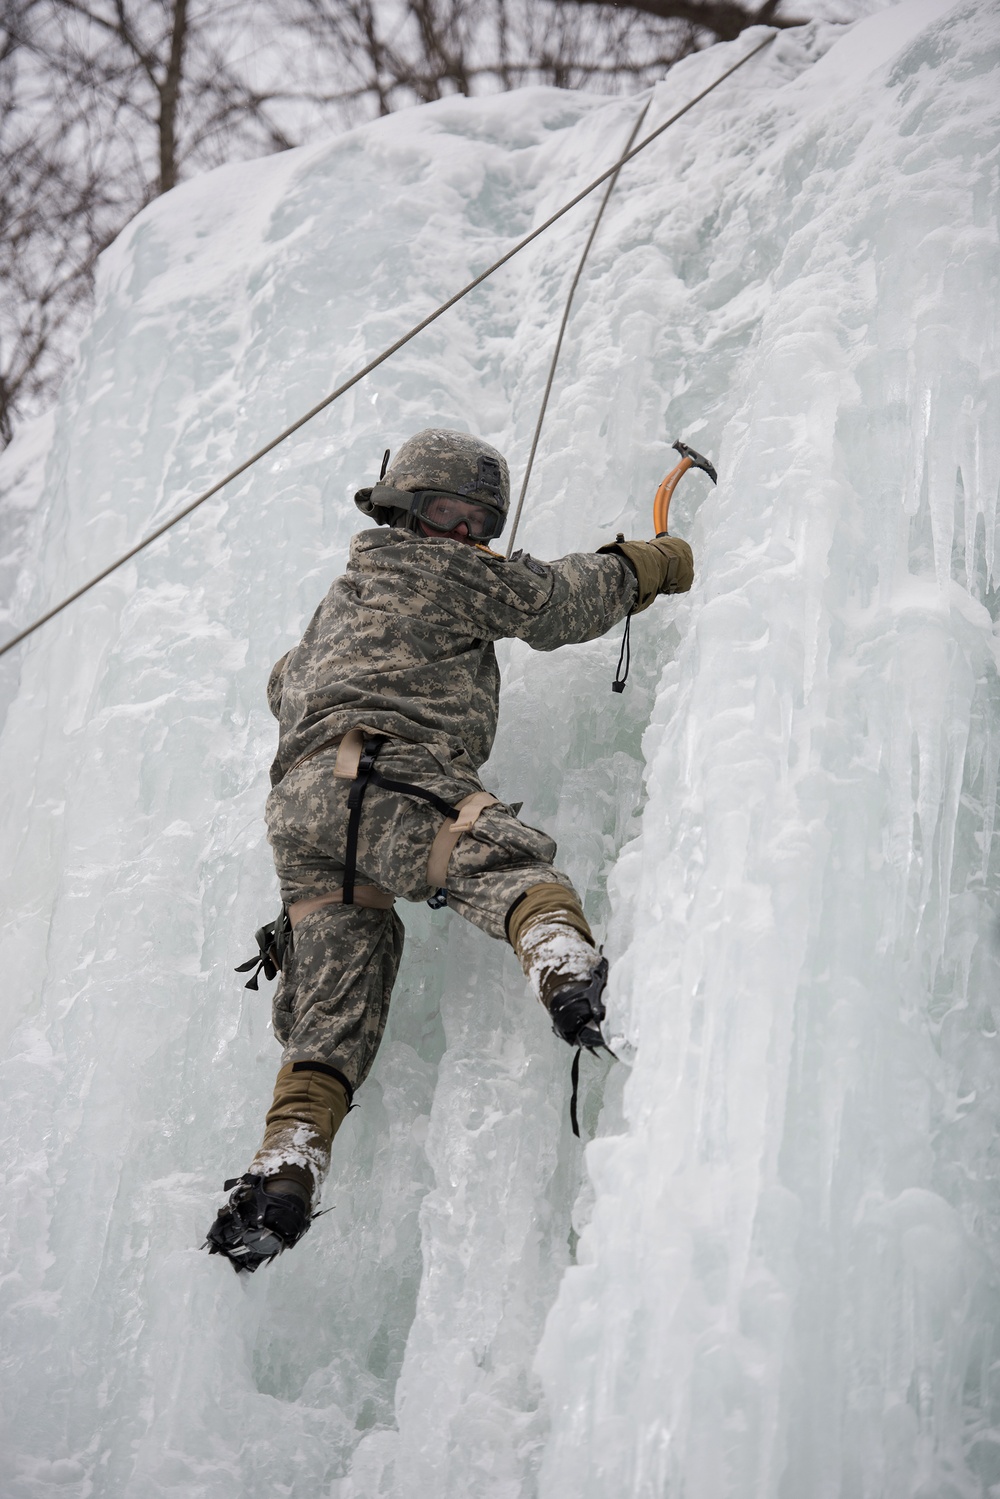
<point>357,751</point>
<point>274,939</point>
<point>356,758</point>
<point>355,800</point>
<point>368,896</point>
<point>386,353</point>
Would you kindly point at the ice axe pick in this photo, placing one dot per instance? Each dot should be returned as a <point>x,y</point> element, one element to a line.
<point>661,504</point>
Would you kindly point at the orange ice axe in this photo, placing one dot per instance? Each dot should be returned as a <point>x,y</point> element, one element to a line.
<point>689,459</point>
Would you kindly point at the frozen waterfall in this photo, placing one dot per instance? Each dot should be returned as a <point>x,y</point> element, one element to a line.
<point>772,1273</point>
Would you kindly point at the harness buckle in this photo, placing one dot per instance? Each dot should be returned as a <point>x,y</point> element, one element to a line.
<point>369,754</point>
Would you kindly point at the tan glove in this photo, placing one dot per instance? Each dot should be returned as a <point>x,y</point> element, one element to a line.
<point>665,565</point>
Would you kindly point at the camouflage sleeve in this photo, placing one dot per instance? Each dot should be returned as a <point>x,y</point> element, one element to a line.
<point>275,683</point>
<point>546,604</point>
<point>587,599</point>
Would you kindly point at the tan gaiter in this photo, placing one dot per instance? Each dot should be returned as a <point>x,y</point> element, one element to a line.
<point>552,939</point>
<point>307,1111</point>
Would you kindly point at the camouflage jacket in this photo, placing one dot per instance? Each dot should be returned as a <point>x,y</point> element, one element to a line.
<point>403,642</point>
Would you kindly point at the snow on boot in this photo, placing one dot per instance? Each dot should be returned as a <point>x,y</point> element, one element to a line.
<point>263,1217</point>
<point>552,938</point>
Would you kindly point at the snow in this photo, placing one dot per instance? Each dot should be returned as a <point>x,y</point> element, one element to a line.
<point>773,1270</point>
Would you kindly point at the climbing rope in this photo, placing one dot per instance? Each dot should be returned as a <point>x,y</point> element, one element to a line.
<point>565,320</point>
<point>611,173</point>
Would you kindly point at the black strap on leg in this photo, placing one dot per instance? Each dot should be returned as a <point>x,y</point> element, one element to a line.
<point>368,776</point>
<point>355,801</point>
<point>445,808</point>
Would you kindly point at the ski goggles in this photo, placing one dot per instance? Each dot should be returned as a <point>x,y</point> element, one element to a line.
<point>445,512</point>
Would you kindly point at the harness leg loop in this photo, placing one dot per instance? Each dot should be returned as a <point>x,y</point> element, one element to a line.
<point>355,802</point>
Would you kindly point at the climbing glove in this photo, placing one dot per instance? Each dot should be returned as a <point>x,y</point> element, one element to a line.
<point>665,565</point>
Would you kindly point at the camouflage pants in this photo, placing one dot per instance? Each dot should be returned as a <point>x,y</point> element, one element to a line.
<point>332,1000</point>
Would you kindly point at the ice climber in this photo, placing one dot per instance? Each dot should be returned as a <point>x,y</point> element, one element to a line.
<point>387,708</point>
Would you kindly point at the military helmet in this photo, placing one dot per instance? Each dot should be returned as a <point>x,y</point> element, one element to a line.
<point>435,466</point>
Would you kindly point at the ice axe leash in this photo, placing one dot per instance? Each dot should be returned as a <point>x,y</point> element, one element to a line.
<point>386,353</point>
<point>661,510</point>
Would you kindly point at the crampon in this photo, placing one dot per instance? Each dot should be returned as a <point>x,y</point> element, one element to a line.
<point>256,1224</point>
<point>577,1009</point>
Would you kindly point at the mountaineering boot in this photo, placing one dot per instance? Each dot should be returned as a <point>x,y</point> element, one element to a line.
<point>552,938</point>
<point>577,1009</point>
<point>261,1219</point>
<point>271,1205</point>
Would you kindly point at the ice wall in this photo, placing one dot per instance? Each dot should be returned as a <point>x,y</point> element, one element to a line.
<point>773,1271</point>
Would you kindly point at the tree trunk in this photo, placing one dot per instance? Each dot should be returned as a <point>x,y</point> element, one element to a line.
<point>169,90</point>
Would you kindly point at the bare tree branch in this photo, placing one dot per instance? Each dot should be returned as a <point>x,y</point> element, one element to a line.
<point>722,18</point>
<point>106,103</point>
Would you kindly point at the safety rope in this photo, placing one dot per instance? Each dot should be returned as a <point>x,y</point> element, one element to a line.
<point>387,353</point>
<point>563,325</point>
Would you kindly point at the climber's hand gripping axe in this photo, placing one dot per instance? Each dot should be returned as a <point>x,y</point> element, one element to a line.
<point>661,504</point>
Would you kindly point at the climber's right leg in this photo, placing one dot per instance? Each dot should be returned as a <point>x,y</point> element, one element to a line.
<point>500,876</point>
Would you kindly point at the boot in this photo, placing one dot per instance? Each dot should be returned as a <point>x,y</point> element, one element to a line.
<point>577,1009</point>
<point>262,1218</point>
<point>553,940</point>
<point>271,1206</point>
